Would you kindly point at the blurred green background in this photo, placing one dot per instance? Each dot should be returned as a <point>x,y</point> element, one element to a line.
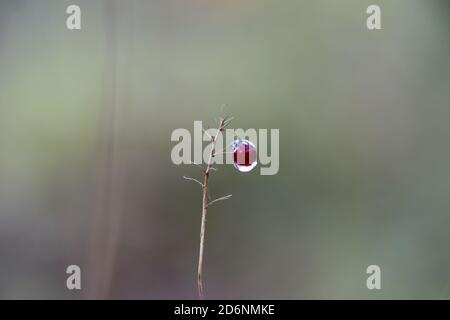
<point>86,176</point>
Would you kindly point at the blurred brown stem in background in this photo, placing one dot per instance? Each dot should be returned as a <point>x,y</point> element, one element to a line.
<point>205,199</point>
<point>110,171</point>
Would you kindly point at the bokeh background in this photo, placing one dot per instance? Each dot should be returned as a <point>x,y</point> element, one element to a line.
<point>86,176</point>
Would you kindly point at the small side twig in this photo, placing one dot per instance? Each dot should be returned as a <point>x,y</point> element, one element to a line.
<point>219,199</point>
<point>192,179</point>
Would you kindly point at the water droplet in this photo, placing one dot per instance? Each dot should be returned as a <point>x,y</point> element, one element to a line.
<point>244,155</point>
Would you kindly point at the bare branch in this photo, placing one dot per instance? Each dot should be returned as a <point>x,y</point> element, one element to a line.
<point>227,121</point>
<point>195,180</point>
<point>206,200</point>
<point>219,199</point>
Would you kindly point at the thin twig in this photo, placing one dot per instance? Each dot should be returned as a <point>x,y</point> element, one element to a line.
<point>228,146</point>
<point>219,199</point>
<point>192,179</point>
<point>227,121</point>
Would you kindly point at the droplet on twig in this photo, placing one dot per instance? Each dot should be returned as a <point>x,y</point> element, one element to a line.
<point>244,155</point>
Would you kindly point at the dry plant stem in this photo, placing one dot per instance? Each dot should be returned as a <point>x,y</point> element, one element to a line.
<point>202,237</point>
<point>205,204</point>
<point>223,123</point>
